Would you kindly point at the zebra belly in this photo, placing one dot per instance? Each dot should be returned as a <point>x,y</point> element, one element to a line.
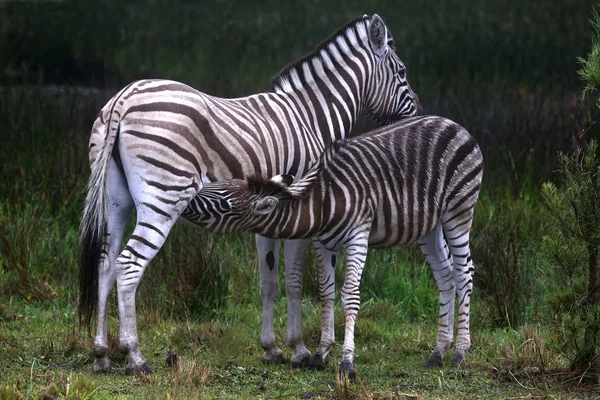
<point>386,233</point>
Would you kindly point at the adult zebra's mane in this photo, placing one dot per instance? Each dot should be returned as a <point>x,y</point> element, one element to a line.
<point>279,80</point>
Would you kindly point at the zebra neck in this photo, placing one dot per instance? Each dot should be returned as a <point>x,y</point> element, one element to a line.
<point>327,115</point>
<point>294,219</point>
<point>328,86</point>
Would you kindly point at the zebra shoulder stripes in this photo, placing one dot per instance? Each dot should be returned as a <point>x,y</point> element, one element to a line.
<point>157,142</point>
<point>416,180</point>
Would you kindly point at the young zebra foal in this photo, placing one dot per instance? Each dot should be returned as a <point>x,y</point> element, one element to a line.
<point>416,180</point>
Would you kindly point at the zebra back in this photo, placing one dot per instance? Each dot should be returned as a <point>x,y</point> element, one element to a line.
<point>401,179</point>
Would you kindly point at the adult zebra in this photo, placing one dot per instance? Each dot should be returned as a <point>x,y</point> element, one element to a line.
<point>156,142</point>
<point>416,180</point>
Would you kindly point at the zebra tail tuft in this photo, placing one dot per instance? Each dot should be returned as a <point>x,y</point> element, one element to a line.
<point>91,237</point>
<point>93,229</point>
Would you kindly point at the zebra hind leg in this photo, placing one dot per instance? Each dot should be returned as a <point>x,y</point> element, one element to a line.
<point>153,225</point>
<point>436,251</point>
<point>294,252</point>
<point>457,232</point>
<point>120,207</point>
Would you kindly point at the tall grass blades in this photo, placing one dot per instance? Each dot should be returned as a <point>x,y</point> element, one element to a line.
<point>509,274</point>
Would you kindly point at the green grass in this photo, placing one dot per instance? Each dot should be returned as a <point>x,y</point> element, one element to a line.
<point>42,353</point>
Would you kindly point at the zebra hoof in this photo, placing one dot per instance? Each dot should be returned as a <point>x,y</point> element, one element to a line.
<point>300,360</point>
<point>316,363</point>
<point>457,359</point>
<point>101,365</point>
<point>435,360</point>
<point>275,358</point>
<point>347,371</point>
<point>137,370</point>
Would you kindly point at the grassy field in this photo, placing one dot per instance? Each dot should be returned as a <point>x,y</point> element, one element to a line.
<point>44,355</point>
<point>505,70</point>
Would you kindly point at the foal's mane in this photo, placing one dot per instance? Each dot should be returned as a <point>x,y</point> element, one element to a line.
<point>300,188</point>
<point>266,187</point>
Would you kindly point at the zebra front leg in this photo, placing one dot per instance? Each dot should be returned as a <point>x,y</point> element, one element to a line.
<point>268,258</point>
<point>294,252</point>
<point>436,251</point>
<point>326,259</point>
<point>458,241</point>
<point>120,206</point>
<point>356,254</point>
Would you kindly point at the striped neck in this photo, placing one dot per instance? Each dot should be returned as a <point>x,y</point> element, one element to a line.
<point>330,82</point>
<point>293,219</point>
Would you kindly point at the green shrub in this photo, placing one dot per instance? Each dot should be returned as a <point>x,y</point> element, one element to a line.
<point>572,244</point>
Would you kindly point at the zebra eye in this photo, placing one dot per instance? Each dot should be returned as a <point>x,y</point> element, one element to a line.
<point>402,73</point>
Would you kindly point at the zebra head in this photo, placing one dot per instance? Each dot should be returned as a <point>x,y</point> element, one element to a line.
<point>240,205</point>
<point>389,96</point>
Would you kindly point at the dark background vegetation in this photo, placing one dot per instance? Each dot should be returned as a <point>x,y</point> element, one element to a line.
<point>505,70</point>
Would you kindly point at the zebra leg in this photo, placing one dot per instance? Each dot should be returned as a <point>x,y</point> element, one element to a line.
<point>436,251</point>
<point>457,235</point>
<point>294,252</point>
<point>326,259</point>
<point>157,212</point>
<point>268,257</point>
<point>120,207</point>
<point>141,248</point>
<point>356,255</point>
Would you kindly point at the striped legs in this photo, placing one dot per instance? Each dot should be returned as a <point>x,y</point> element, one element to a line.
<point>120,207</point>
<point>456,230</point>
<point>326,259</point>
<point>143,245</point>
<point>268,255</point>
<point>156,215</point>
<point>294,252</point>
<point>436,251</point>
<point>356,255</point>
<point>449,255</point>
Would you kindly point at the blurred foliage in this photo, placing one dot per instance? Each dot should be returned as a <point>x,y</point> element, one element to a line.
<point>232,48</point>
<point>509,275</point>
<point>590,65</point>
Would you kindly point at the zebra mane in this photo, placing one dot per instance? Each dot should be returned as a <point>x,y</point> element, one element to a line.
<point>266,187</point>
<point>283,78</point>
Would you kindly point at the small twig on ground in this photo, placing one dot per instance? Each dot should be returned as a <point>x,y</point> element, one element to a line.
<point>516,380</point>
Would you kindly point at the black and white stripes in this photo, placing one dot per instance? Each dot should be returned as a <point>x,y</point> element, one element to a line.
<point>156,143</point>
<point>414,181</point>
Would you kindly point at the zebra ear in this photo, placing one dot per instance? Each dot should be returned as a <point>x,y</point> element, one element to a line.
<point>378,35</point>
<point>285,180</point>
<point>266,205</point>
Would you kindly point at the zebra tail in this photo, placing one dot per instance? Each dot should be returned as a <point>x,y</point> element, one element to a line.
<point>93,227</point>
